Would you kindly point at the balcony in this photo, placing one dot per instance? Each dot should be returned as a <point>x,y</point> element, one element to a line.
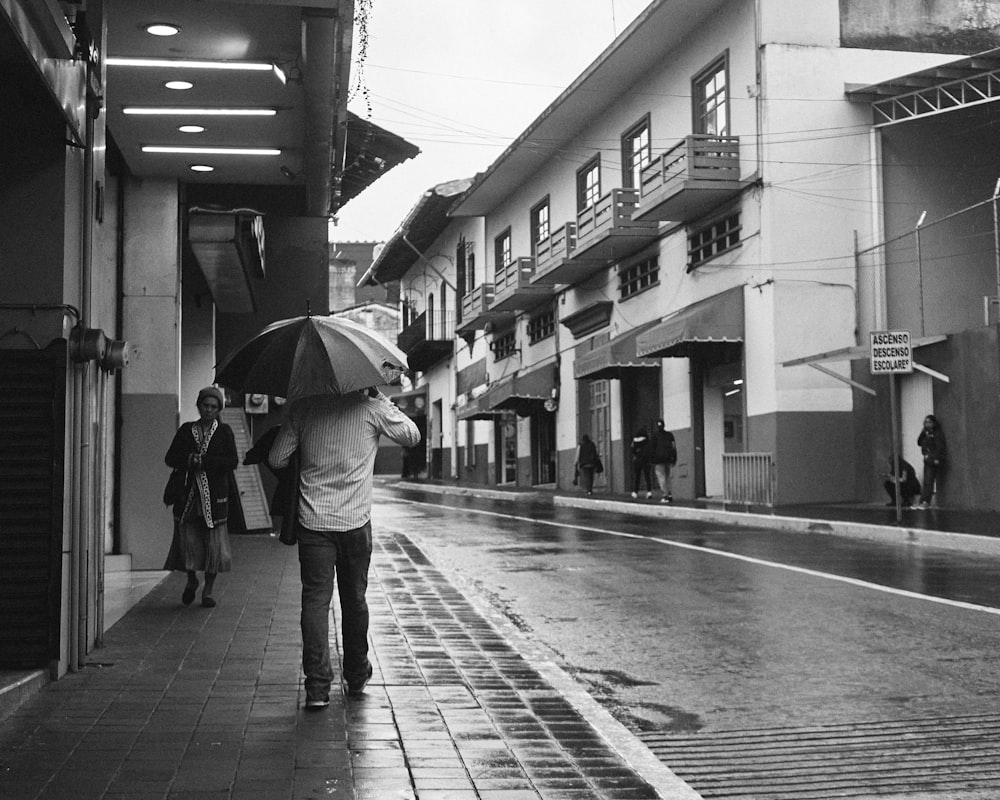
<point>606,231</point>
<point>692,177</point>
<point>514,290</point>
<point>554,261</point>
<point>476,311</point>
<point>428,339</point>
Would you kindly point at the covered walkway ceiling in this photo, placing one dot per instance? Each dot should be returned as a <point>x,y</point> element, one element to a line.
<point>966,82</point>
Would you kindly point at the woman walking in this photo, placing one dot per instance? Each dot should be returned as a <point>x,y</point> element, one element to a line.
<point>932,445</point>
<point>586,463</point>
<point>205,450</point>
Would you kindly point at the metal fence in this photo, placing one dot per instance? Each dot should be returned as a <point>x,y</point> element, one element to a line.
<point>749,478</point>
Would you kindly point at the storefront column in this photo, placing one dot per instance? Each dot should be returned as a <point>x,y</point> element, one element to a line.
<point>150,385</point>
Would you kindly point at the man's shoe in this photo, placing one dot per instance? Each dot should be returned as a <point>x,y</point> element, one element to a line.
<point>635,495</point>
<point>357,687</point>
<point>670,499</point>
<point>317,701</point>
<point>649,495</point>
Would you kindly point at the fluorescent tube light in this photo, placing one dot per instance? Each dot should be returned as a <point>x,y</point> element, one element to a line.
<point>185,63</point>
<point>200,112</point>
<point>222,151</point>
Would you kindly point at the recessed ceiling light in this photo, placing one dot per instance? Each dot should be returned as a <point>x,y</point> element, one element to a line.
<point>191,129</point>
<point>179,85</point>
<point>202,168</point>
<point>162,29</point>
<point>200,112</point>
<point>186,63</point>
<point>223,151</point>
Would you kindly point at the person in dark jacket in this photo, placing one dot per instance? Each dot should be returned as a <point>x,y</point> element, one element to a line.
<point>909,484</point>
<point>932,445</point>
<point>206,450</point>
<point>642,466</point>
<point>586,463</point>
<point>664,458</point>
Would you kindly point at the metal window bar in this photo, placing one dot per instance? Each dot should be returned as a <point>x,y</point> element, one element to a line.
<point>749,479</point>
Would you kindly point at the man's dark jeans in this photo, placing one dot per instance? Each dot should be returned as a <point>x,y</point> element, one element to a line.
<point>323,555</point>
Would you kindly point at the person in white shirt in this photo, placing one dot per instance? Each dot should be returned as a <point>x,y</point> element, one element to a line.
<point>336,441</point>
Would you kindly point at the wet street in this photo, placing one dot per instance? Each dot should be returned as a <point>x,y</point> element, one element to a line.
<point>693,634</point>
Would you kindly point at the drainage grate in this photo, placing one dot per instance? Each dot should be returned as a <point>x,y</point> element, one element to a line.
<point>958,756</point>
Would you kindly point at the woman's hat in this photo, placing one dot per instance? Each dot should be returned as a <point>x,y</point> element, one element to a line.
<point>212,391</point>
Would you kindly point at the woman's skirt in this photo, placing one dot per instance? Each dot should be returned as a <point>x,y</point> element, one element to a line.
<point>198,548</point>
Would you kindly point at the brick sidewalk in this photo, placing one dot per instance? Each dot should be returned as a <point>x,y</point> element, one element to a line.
<point>197,704</point>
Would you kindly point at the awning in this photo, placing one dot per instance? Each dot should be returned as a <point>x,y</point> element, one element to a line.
<point>530,388</point>
<point>946,87</point>
<point>612,359</point>
<point>713,323</point>
<point>412,403</point>
<point>475,408</point>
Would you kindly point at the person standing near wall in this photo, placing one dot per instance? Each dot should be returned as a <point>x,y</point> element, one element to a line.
<point>642,466</point>
<point>664,459</point>
<point>587,460</point>
<point>932,445</point>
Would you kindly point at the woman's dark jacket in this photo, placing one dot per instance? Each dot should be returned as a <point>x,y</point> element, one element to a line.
<point>219,461</point>
<point>588,455</point>
<point>932,446</point>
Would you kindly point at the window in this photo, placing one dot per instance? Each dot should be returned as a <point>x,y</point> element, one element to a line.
<point>713,239</point>
<point>588,184</point>
<point>636,277</point>
<point>502,253</point>
<point>504,345</point>
<point>635,154</point>
<point>542,325</point>
<point>711,100</point>
<point>539,224</point>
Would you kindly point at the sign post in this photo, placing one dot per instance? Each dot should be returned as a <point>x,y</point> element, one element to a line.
<point>892,354</point>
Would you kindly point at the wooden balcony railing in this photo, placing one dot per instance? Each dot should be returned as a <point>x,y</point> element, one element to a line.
<point>698,158</point>
<point>613,210</point>
<point>555,247</point>
<point>514,275</point>
<point>477,302</point>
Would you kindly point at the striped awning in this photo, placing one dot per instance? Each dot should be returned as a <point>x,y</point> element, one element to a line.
<point>533,386</point>
<point>475,408</point>
<point>716,320</point>
<point>612,359</point>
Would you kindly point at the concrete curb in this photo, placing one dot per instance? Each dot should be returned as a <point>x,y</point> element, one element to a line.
<point>887,534</point>
<point>17,688</point>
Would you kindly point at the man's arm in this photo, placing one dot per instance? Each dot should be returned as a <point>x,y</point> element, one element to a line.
<point>286,443</point>
<point>395,424</point>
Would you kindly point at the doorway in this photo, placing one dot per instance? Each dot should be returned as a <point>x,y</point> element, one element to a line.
<point>543,447</point>
<point>505,436</point>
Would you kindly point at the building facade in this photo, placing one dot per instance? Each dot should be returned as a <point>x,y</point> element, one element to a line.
<point>166,184</point>
<point>704,228</point>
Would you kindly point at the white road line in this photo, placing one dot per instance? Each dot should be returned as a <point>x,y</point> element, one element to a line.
<point>735,556</point>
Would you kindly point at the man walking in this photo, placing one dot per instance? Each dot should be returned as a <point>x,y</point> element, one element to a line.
<point>336,439</point>
<point>664,458</point>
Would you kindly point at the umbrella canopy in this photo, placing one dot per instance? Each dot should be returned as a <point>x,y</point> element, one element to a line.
<point>307,356</point>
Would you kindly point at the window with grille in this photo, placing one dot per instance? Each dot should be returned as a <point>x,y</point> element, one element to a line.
<point>502,252</point>
<point>588,184</point>
<point>539,224</point>
<point>713,239</point>
<point>636,277</point>
<point>542,325</point>
<point>711,100</point>
<point>635,154</point>
<point>504,345</point>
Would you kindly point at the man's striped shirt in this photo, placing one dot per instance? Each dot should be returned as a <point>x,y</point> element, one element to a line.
<point>337,441</point>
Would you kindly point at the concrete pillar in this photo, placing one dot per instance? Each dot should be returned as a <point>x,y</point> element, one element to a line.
<point>151,383</point>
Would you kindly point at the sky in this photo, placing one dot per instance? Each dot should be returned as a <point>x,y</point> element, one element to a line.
<point>461,79</point>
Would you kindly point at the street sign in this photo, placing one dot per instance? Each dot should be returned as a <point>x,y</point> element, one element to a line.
<point>891,352</point>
